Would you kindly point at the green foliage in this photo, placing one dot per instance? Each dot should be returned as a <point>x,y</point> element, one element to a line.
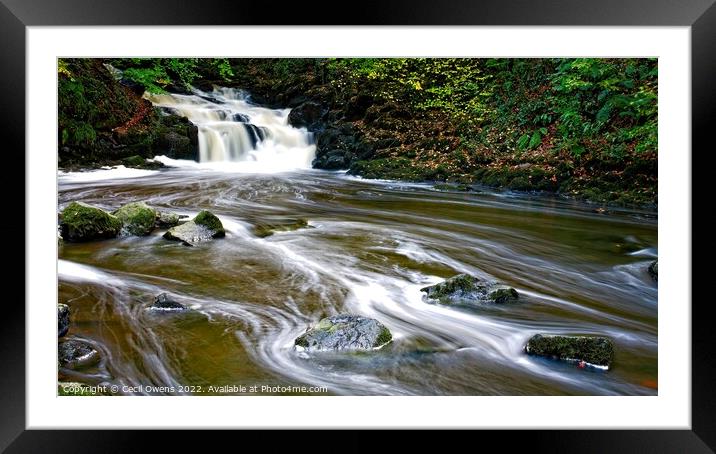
<point>77,133</point>
<point>612,99</point>
<point>456,85</point>
<point>155,74</point>
<point>62,68</point>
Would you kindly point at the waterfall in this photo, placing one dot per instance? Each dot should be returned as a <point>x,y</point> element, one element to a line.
<point>232,129</point>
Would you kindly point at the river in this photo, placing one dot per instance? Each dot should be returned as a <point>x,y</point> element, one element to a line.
<point>369,248</point>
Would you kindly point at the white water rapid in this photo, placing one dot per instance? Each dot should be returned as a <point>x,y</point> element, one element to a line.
<point>233,130</point>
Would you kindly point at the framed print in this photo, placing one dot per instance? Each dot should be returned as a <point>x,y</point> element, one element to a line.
<point>383,220</point>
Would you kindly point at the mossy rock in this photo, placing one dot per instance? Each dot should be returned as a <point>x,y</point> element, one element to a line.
<point>345,332</point>
<point>594,351</point>
<point>456,285</point>
<point>654,269</point>
<point>82,222</point>
<point>210,221</point>
<point>134,161</point>
<point>466,289</point>
<point>264,230</point>
<point>203,227</point>
<point>503,295</point>
<point>138,218</point>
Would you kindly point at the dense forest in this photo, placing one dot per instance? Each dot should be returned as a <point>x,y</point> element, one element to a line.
<point>582,128</point>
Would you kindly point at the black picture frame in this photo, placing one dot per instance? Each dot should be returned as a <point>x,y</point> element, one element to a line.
<point>700,15</point>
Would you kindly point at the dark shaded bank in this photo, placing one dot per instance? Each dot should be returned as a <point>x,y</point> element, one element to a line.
<point>581,128</point>
<point>104,120</point>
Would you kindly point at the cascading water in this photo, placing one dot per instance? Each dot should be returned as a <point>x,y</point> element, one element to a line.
<point>232,129</point>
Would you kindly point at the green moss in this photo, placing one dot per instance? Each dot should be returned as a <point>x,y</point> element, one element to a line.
<point>504,295</point>
<point>452,187</point>
<point>383,338</point>
<point>302,341</point>
<point>461,283</point>
<point>137,217</point>
<point>134,161</point>
<point>594,350</point>
<point>520,183</point>
<point>391,169</point>
<point>264,230</point>
<point>210,221</point>
<point>82,222</point>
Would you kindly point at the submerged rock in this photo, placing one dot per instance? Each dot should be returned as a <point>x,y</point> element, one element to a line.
<point>138,218</point>
<point>345,332</point>
<point>264,230</point>
<point>203,227</point>
<point>82,222</point>
<point>164,303</point>
<point>74,353</point>
<point>593,351</point>
<point>654,270</point>
<point>465,289</point>
<point>63,319</point>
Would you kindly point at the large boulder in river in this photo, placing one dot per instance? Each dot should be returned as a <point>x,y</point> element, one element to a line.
<point>345,332</point>
<point>138,218</point>
<point>203,227</point>
<point>466,289</point>
<point>654,269</point>
<point>63,319</point>
<point>309,115</point>
<point>82,222</point>
<point>584,350</point>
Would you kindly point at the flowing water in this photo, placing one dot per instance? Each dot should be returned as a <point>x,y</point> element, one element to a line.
<point>369,248</point>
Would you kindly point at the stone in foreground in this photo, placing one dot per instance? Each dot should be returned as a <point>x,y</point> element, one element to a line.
<point>654,270</point>
<point>63,319</point>
<point>264,230</point>
<point>592,351</point>
<point>165,303</point>
<point>345,332</point>
<point>138,218</point>
<point>82,222</point>
<point>465,289</point>
<point>75,353</point>
<point>203,227</point>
